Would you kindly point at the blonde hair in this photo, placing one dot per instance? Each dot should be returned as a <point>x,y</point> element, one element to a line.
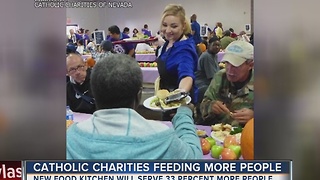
<point>178,11</point>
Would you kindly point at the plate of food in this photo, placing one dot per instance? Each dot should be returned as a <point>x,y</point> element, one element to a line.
<point>154,102</point>
<point>221,131</point>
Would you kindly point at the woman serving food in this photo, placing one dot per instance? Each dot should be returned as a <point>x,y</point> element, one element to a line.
<point>177,58</point>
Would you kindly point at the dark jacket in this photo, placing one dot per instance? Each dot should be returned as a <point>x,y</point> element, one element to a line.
<point>74,99</point>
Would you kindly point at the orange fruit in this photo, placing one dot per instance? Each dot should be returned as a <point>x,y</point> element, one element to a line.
<point>91,62</point>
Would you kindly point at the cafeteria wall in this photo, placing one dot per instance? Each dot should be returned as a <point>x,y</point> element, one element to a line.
<point>232,13</point>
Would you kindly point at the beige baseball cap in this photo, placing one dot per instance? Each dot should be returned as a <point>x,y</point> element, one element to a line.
<point>237,52</point>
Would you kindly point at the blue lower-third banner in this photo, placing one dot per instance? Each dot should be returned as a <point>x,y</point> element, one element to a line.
<point>157,170</point>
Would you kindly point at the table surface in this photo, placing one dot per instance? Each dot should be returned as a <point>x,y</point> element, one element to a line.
<point>146,57</point>
<point>150,74</point>
<point>78,117</point>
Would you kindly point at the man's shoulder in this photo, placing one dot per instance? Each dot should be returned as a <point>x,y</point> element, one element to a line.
<point>220,77</point>
<point>221,73</point>
<point>205,55</point>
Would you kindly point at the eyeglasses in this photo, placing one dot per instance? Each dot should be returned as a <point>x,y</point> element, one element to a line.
<point>73,70</point>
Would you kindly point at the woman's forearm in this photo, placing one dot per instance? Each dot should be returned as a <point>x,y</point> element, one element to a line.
<point>186,83</point>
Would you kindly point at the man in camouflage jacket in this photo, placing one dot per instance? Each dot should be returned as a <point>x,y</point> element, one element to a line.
<point>229,97</point>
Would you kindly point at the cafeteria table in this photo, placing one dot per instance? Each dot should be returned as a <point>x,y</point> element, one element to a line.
<point>146,57</point>
<point>150,74</point>
<point>85,56</point>
<point>78,117</point>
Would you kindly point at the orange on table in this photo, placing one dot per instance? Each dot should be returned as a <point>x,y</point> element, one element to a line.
<point>90,62</point>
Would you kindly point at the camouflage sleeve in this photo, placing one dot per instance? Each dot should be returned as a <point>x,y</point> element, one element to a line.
<point>210,97</point>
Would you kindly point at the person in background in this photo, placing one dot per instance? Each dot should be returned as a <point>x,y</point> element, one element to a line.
<point>195,29</point>
<point>146,31</point>
<point>80,46</point>
<point>243,37</point>
<point>86,38</point>
<point>251,39</point>
<point>117,131</point>
<point>135,32</point>
<point>219,30</point>
<point>71,48</point>
<point>116,35</point>
<point>92,35</point>
<point>177,58</point>
<point>79,34</point>
<point>91,47</point>
<point>126,31</point>
<point>229,97</point>
<point>233,34</point>
<point>73,37</point>
<point>226,39</point>
<point>207,67</point>
<point>106,50</point>
<point>209,31</point>
<point>79,96</point>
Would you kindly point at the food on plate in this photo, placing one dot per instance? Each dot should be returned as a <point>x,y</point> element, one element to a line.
<point>221,131</point>
<point>221,135</point>
<point>201,133</point>
<point>236,130</point>
<point>161,95</point>
<point>221,127</point>
<point>247,140</point>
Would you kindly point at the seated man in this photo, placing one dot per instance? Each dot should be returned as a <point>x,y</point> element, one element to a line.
<point>226,40</point>
<point>106,50</point>
<point>206,69</point>
<point>229,97</point>
<point>79,96</point>
<point>117,131</point>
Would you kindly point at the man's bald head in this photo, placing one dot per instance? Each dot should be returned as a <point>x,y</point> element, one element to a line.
<point>76,68</point>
